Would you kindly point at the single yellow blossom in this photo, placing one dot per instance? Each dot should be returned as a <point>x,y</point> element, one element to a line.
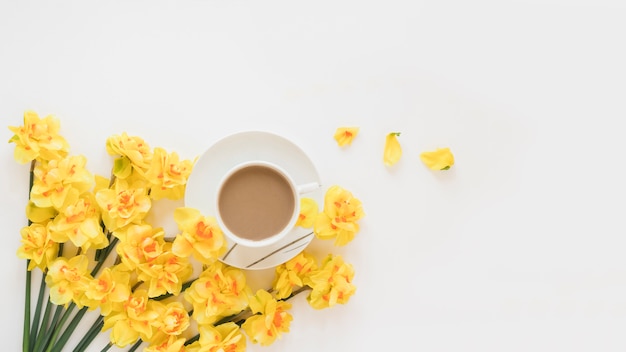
<point>170,343</point>
<point>225,337</point>
<point>60,182</point>
<point>112,286</point>
<point>122,205</point>
<point>133,321</point>
<point>220,290</point>
<point>68,279</point>
<point>308,213</point>
<point>134,153</point>
<point>172,318</point>
<point>37,246</point>
<point>168,175</point>
<point>393,150</point>
<point>38,139</point>
<point>332,283</point>
<point>293,273</point>
<point>139,245</point>
<point>200,236</point>
<point>439,159</point>
<point>79,222</point>
<point>270,321</point>
<point>345,135</point>
<point>166,273</point>
<point>339,218</point>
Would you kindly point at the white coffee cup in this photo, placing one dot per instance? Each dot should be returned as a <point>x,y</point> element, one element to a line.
<point>258,203</point>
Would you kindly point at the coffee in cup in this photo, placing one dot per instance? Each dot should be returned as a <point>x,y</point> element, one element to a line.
<point>258,203</point>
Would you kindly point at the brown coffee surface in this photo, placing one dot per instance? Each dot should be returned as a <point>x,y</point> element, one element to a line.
<point>256,202</point>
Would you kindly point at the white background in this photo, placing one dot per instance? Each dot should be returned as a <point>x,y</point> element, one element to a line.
<point>519,247</point>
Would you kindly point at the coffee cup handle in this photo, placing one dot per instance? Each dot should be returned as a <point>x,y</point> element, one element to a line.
<point>307,187</point>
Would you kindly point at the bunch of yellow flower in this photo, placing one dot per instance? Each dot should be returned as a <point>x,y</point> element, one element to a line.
<point>89,237</point>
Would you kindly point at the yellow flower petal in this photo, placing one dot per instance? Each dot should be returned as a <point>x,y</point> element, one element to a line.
<point>393,150</point>
<point>308,212</point>
<point>37,214</point>
<point>440,159</point>
<point>345,135</point>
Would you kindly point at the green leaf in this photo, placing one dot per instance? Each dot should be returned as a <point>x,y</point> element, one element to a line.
<point>122,167</point>
<point>26,331</point>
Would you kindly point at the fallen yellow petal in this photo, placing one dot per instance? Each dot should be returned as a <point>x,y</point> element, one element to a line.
<point>440,159</point>
<point>345,135</point>
<point>393,150</point>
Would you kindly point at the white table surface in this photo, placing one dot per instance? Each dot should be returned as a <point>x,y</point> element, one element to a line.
<point>519,247</point>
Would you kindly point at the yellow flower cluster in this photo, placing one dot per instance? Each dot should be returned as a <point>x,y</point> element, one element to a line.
<point>149,294</point>
<point>330,282</point>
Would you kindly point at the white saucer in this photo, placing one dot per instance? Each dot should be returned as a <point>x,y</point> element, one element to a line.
<point>201,190</point>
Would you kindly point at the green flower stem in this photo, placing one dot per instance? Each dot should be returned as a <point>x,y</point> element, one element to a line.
<point>184,287</point>
<point>67,333</point>
<point>26,330</point>
<point>103,257</point>
<point>191,340</point>
<point>59,326</point>
<point>26,338</point>
<point>90,335</point>
<point>107,347</point>
<point>44,338</point>
<point>296,292</point>
<point>43,328</point>
<point>136,345</point>
<point>37,317</point>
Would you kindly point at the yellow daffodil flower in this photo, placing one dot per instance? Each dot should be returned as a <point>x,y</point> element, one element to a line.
<point>171,343</point>
<point>339,218</point>
<point>168,175</point>
<point>225,337</point>
<point>133,321</point>
<point>131,149</point>
<point>122,205</point>
<point>293,273</point>
<point>393,150</point>
<point>68,279</point>
<point>219,291</point>
<point>60,182</point>
<point>166,273</point>
<point>112,286</point>
<point>37,246</point>
<point>345,135</point>
<point>270,321</point>
<point>200,236</point>
<point>308,213</point>
<point>172,318</point>
<point>332,283</point>
<point>439,159</point>
<point>38,139</point>
<point>80,223</point>
<point>139,245</point>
